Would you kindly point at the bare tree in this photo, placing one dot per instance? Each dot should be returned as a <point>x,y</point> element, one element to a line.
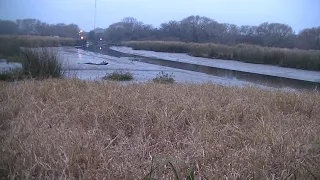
<point>309,38</point>
<point>190,29</point>
<point>275,34</point>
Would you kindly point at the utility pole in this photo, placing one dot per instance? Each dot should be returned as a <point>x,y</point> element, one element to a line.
<point>95,14</point>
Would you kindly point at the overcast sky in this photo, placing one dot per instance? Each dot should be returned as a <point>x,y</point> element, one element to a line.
<point>297,13</point>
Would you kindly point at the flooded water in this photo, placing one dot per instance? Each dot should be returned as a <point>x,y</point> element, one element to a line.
<point>89,65</point>
<point>95,62</point>
<point>8,66</point>
<point>259,79</point>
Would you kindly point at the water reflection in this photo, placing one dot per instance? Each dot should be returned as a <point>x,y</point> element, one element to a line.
<point>79,54</point>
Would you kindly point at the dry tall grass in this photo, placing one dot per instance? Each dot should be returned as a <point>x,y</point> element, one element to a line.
<point>41,63</point>
<point>38,41</point>
<point>10,44</point>
<point>294,58</point>
<point>70,129</point>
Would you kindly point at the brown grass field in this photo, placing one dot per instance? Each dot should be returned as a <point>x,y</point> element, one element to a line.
<point>71,129</point>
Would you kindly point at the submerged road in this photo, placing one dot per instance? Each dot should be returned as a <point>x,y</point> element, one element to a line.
<point>87,65</point>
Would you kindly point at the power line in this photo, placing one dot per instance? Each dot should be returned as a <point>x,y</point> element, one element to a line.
<point>95,14</point>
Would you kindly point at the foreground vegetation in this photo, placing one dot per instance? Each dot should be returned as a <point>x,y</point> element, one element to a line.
<point>71,129</point>
<point>10,44</point>
<point>293,58</point>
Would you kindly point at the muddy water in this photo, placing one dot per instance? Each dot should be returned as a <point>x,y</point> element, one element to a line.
<point>264,80</point>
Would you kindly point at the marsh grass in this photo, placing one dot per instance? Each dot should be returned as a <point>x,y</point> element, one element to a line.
<point>164,78</point>
<point>293,58</point>
<point>37,41</point>
<point>41,63</point>
<point>119,76</point>
<point>10,44</point>
<point>72,129</point>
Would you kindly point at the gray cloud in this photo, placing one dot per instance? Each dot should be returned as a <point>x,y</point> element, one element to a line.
<point>297,13</point>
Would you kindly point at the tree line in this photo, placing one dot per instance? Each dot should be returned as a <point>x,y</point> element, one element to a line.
<point>37,27</point>
<point>201,29</point>
<point>197,29</point>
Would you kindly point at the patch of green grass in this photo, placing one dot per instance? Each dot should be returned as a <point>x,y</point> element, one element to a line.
<point>163,78</point>
<point>119,76</point>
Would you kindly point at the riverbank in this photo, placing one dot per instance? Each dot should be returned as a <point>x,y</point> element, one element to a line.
<point>290,73</point>
<point>292,58</point>
<point>54,129</point>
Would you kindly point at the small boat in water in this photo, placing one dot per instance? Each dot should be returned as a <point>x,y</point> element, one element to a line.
<point>102,63</point>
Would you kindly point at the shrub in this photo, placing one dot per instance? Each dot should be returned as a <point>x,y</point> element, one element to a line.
<point>164,78</point>
<point>119,76</point>
<point>38,63</point>
<point>41,63</point>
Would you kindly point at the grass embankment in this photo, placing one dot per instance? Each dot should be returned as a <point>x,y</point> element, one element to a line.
<point>70,129</point>
<point>293,58</point>
<point>10,44</point>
